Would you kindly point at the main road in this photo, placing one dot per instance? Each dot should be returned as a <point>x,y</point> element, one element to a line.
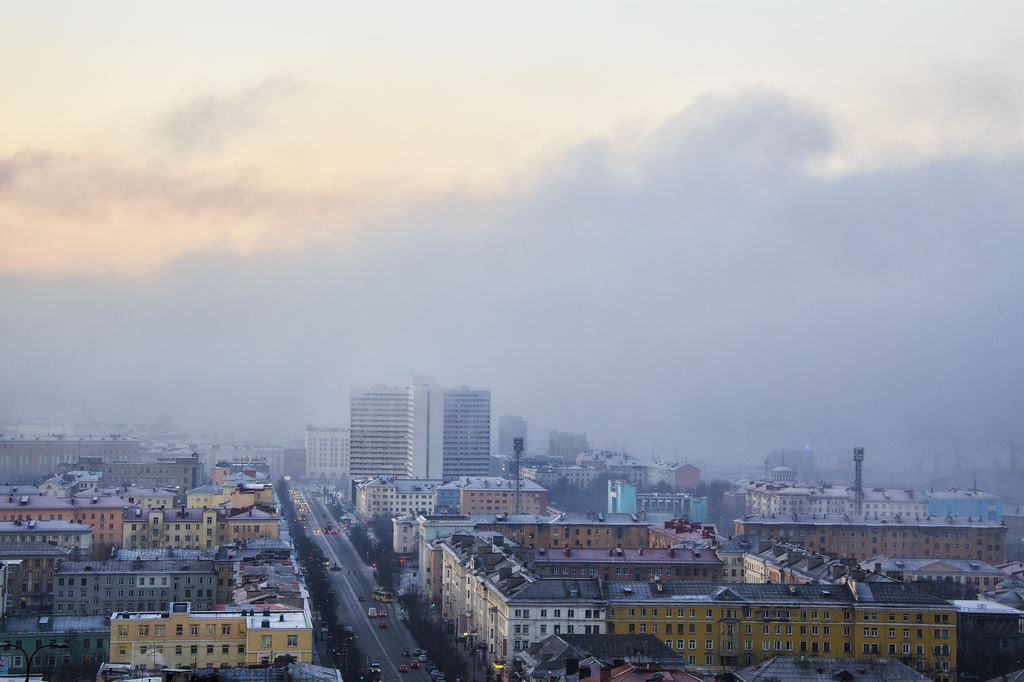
<point>354,580</point>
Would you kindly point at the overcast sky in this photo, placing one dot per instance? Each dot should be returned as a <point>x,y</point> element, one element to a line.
<point>701,231</point>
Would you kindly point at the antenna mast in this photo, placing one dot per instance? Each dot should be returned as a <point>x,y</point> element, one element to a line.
<point>858,481</point>
<point>517,448</point>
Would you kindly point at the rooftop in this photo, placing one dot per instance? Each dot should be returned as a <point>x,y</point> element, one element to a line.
<point>850,520</point>
<point>626,555</point>
<point>131,566</point>
<point>791,668</point>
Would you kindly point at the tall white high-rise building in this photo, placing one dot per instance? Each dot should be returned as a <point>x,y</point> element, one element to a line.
<point>380,433</point>
<point>327,453</point>
<point>423,431</point>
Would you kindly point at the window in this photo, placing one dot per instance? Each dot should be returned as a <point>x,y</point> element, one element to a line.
<point>241,648</point>
<point>266,641</point>
<point>193,630</point>
<point>211,630</point>
<point>293,640</point>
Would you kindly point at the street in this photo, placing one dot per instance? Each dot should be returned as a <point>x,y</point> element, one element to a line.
<point>355,579</point>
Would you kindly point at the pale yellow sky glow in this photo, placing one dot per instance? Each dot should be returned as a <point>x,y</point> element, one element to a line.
<point>132,134</point>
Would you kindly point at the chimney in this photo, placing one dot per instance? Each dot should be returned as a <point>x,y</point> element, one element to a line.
<point>572,666</point>
<point>584,672</point>
<point>605,674</point>
<point>672,552</point>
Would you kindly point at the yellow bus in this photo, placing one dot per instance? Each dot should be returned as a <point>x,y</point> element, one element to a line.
<point>382,595</point>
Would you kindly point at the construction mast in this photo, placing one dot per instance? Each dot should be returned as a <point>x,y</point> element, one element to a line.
<point>858,481</point>
<point>517,470</point>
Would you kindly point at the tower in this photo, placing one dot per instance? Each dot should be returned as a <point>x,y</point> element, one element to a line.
<point>517,449</point>
<point>858,481</point>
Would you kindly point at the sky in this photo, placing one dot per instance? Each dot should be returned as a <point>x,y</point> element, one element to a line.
<point>693,230</point>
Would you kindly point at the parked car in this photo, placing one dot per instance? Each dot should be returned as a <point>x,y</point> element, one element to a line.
<point>423,658</point>
<point>417,652</point>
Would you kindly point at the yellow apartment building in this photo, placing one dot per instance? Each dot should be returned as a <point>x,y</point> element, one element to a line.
<point>185,528</point>
<point>722,627</point>
<point>181,637</point>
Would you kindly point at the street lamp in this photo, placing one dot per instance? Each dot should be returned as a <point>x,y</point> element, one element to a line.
<point>28,662</point>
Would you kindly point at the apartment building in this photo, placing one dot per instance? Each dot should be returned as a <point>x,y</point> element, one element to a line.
<point>963,571</point>
<point>69,534</point>
<point>103,513</point>
<point>181,637</point>
<point>29,458</point>
<point>731,553</point>
<point>101,587</point>
<point>30,568</point>
<point>327,453</point>
<point>423,431</point>
<point>490,495</point>
<point>188,528</point>
<point>395,496</point>
<point>183,471</point>
<point>721,627</point>
<point>859,537</point>
<point>575,529</point>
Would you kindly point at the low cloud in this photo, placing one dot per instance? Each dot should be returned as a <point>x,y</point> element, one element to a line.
<point>204,123</point>
<point>695,293</point>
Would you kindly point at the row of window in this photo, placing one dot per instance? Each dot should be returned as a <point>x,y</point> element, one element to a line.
<point>570,613</point>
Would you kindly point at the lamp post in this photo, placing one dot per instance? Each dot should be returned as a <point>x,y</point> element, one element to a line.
<point>28,662</point>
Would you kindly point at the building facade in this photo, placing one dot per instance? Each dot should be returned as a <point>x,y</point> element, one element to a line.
<point>101,587</point>
<point>30,458</point>
<point>490,495</point>
<point>862,537</point>
<point>327,453</point>
<point>510,427</point>
<point>174,472</point>
<point>181,637</point>
<point>186,528</point>
<point>720,627</point>
<point>395,496</point>
<point>423,431</point>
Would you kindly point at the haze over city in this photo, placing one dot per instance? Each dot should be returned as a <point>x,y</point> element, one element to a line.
<point>697,232</point>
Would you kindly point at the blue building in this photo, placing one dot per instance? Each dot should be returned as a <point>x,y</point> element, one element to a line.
<point>624,498</point>
<point>965,503</point>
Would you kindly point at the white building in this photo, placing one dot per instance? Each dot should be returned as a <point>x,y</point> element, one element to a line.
<point>422,431</point>
<point>386,495</point>
<point>786,497</point>
<point>327,453</point>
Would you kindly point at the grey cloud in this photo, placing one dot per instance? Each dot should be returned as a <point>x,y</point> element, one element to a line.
<point>717,303</point>
<point>205,122</point>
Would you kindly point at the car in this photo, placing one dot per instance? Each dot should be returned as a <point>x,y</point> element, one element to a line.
<point>382,624</point>
<point>423,658</point>
<point>403,669</point>
<point>382,613</point>
<point>405,652</point>
<point>414,664</point>
<point>335,568</point>
<point>362,599</point>
<point>417,652</point>
<point>375,665</point>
